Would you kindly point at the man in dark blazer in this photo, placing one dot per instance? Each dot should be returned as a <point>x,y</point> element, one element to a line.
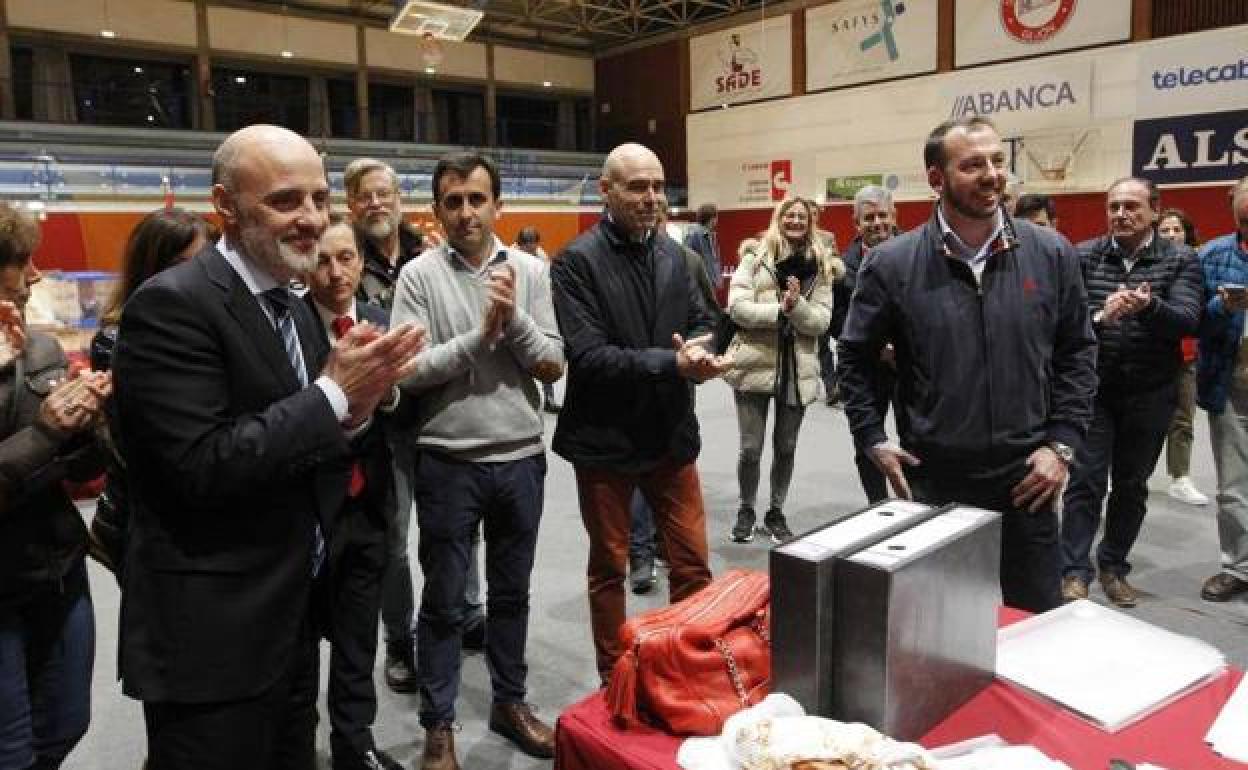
<point>236,447</point>
<point>350,606</point>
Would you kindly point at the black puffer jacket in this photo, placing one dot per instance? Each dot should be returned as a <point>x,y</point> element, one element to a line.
<point>1141,352</point>
<point>42,537</point>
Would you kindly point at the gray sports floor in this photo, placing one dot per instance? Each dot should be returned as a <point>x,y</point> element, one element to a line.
<point>1177,551</point>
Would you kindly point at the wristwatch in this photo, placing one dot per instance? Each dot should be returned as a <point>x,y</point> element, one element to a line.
<point>1063,452</point>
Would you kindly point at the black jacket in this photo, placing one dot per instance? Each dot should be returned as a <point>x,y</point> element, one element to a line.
<point>42,537</point>
<point>985,376</point>
<point>843,290</point>
<point>618,304</point>
<point>1141,352</point>
<point>378,278</point>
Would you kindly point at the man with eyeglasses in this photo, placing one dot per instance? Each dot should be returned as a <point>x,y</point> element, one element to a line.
<point>387,242</point>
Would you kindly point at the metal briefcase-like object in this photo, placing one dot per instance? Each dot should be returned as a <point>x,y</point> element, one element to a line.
<point>916,622</point>
<point>803,607</point>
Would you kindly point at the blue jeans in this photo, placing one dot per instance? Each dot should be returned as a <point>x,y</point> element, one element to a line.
<point>1123,444</point>
<point>47,652</point>
<point>453,499</point>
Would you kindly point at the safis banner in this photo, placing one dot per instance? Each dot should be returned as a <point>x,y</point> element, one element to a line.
<point>858,41</point>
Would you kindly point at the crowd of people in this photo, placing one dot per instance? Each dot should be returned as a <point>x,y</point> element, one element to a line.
<point>274,401</point>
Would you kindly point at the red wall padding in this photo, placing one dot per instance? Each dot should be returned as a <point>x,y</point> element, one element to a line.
<point>1080,216</point>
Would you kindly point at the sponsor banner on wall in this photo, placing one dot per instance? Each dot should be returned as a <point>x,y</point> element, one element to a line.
<point>762,182</point>
<point>858,41</point>
<point>1193,75</point>
<point>741,64</point>
<point>994,30</point>
<point>1192,148</point>
<point>843,188</point>
<point>1047,95</point>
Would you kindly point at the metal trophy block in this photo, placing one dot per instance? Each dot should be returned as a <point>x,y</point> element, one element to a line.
<point>803,611</point>
<point>916,623</point>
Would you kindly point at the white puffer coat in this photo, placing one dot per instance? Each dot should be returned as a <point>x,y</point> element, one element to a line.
<point>754,302</point>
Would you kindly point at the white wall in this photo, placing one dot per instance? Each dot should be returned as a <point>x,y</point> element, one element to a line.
<point>880,128</point>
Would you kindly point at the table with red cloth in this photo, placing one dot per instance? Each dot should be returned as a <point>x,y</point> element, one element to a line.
<point>1173,737</point>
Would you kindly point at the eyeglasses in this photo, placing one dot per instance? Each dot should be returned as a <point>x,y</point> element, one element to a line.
<point>381,196</point>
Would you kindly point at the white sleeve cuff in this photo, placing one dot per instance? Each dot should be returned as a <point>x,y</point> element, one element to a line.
<point>333,393</point>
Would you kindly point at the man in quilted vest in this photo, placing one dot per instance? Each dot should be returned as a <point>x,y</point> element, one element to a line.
<point>1144,296</point>
<point>1222,390</point>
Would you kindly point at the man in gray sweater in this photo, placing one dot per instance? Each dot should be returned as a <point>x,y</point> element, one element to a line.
<point>491,332</point>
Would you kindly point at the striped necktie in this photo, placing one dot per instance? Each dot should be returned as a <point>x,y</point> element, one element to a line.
<point>279,300</point>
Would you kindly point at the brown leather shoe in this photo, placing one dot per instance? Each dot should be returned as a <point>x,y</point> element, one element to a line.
<point>439,749</point>
<point>517,723</point>
<point>1119,591</point>
<point>1222,587</point>
<point>1074,587</point>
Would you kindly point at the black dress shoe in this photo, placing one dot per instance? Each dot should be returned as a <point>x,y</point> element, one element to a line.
<point>473,639</point>
<point>373,759</point>
<point>1222,587</point>
<point>642,574</point>
<point>401,668</point>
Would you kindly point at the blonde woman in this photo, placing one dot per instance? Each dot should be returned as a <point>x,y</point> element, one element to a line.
<point>781,300</point>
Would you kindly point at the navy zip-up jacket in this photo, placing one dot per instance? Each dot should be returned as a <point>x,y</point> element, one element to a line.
<point>987,372</point>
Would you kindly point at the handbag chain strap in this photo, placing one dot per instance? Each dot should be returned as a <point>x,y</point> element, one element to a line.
<point>759,626</point>
<point>733,672</point>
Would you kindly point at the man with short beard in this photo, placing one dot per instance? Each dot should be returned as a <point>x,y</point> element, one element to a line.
<point>995,358</point>
<point>236,421</point>
<point>387,241</point>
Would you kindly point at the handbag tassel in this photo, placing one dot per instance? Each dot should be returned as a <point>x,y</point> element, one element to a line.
<point>622,689</point>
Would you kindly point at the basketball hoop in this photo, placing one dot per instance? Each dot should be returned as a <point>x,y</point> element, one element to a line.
<point>430,50</point>
<point>1052,156</point>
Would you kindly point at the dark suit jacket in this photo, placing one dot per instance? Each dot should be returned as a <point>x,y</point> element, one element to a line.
<point>230,463</point>
<point>364,519</point>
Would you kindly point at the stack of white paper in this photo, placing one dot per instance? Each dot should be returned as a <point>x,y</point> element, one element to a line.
<point>1229,734</point>
<point>990,752</point>
<point>1105,666</point>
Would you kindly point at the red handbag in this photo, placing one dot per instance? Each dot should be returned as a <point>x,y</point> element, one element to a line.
<point>690,666</point>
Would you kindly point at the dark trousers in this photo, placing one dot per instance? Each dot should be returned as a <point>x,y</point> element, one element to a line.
<point>274,730</point>
<point>1030,574</point>
<point>874,485</point>
<point>641,532</point>
<point>352,604</point>
<point>1123,444</point>
<point>453,498</point>
<point>47,651</point>
<point>397,598</point>
<point>674,493</point>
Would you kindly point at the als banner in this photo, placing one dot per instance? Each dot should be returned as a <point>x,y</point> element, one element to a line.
<point>1192,148</point>
<point>741,64</point>
<point>858,41</point>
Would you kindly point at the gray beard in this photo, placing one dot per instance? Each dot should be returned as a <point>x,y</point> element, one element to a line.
<point>282,261</point>
<point>380,229</point>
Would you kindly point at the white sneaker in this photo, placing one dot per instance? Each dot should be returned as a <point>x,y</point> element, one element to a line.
<point>1183,490</point>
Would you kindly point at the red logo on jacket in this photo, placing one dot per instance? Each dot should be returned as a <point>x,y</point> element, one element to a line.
<point>1029,286</point>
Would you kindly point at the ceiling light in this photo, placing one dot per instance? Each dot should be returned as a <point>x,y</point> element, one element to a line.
<point>108,33</point>
<point>151,118</point>
<point>138,70</point>
<point>288,54</point>
<point>431,70</point>
<point>546,84</point>
<point>240,79</point>
<point>445,22</point>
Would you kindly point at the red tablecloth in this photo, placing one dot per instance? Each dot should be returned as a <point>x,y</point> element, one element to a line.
<point>1173,738</point>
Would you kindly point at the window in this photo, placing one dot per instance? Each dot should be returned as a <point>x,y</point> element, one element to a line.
<point>584,110</point>
<point>529,122</point>
<point>344,119</point>
<point>391,112</point>
<point>459,117</point>
<point>23,82</point>
<point>130,92</point>
<point>242,97</point>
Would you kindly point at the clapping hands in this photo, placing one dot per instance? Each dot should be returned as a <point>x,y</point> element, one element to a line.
<point>695,362</point>
<point>1125,302</point>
